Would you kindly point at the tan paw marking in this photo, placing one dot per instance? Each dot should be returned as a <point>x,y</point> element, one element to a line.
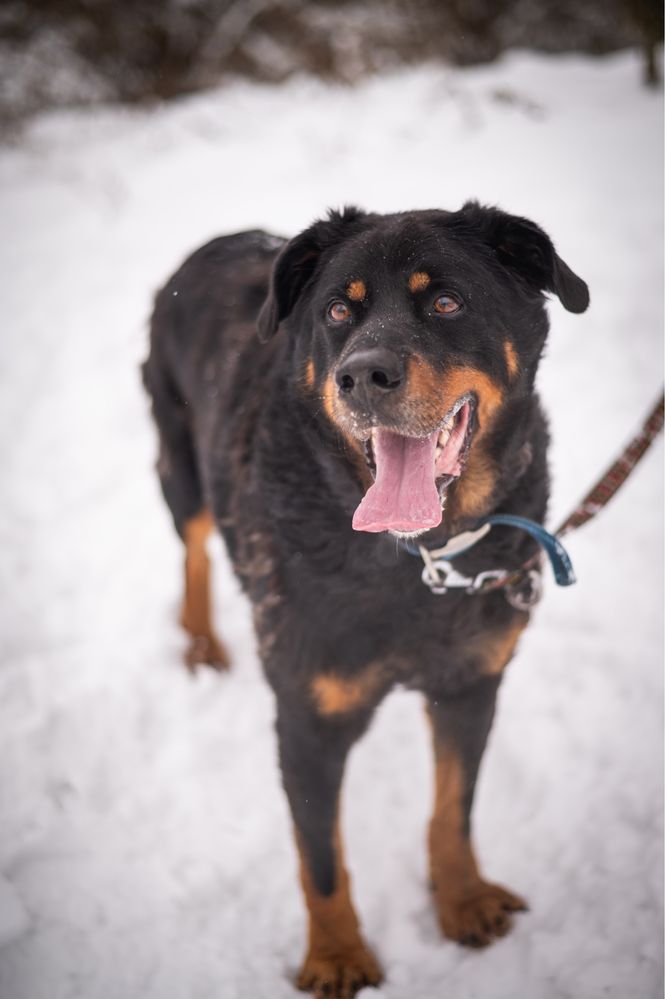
<point>482,914</point>
<point>206,650</point>
<point>339,976</point>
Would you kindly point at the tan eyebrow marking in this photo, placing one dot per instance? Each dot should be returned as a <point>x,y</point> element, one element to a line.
<point>356,290</point>
<point>418,281</point>
<point>511,358</point>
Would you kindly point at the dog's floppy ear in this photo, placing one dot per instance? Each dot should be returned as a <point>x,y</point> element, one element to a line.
<point>296,264</point>
<point>522,246</point>
<point>291,271</point>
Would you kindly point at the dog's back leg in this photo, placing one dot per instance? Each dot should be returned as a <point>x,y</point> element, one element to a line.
<point>204,646</point>
<point>181,485</point>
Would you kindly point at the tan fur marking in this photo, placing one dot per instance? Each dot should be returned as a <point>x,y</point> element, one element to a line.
<point>356,453</point>
<point>473,491</point>
<point>451,857</point>
<point>435,392</point>
<point>457,382</point>
<point>470,909</point>
<point>497,649</point>
<point>335,948</point>
<point>205,647</point>
<point>329,398</point>
<point>356,290</point>
<point>310,374</point>
<point>418,281</point>
<point>425,391</point>
<point>511,359</point>
<point>336,695</point>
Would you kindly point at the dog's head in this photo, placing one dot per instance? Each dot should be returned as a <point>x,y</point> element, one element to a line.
<point>416,334</point>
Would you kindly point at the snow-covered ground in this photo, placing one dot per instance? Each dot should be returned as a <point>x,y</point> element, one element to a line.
<point>145,847</point>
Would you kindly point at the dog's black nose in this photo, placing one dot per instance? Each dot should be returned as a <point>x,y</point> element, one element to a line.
<point>369,373</point>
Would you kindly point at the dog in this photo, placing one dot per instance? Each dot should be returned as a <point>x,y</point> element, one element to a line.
<point>323,402</point>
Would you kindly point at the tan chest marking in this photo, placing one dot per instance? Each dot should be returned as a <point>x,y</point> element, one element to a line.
<point>497,649</point>
<point>335,695</point>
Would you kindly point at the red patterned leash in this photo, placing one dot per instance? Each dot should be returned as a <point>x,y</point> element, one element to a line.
<point>617,473</point>
<point>523,587</point>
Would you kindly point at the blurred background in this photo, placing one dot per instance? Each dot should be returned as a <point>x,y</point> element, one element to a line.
<point>145,844</point>
<point>79,52</point>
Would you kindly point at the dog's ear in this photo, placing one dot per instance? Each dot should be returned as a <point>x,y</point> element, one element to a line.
<point>522,246</point>
<point>291,271</point>
<point>296,264</point>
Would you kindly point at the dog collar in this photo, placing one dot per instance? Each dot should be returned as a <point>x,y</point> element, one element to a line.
<point>522,587</point>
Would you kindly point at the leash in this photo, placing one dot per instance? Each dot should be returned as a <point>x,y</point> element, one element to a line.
<point>522,587</point>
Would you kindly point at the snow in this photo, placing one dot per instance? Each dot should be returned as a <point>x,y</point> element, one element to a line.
<point>145,845</point>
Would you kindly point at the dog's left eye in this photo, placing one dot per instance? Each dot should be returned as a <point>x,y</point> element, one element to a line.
<point>446,305</point>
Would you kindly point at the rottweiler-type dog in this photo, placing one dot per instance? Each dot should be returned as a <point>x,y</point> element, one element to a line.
<point>318,401</point>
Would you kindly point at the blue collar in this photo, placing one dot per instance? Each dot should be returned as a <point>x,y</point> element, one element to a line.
<point>441,557</point>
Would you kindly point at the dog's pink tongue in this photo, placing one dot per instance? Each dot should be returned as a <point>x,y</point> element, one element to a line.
<point>404,496</point>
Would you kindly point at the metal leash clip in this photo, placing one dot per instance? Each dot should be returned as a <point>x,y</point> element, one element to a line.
<point>440,576</point>
<point>481,581</point>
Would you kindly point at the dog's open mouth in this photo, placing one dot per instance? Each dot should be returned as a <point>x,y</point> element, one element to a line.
<point>411,474</point>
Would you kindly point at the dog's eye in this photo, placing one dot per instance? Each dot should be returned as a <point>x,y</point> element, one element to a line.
<point>446,305</point>
<point>339,312</point>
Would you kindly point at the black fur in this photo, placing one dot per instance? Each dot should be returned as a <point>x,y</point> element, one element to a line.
<point>243,434</point>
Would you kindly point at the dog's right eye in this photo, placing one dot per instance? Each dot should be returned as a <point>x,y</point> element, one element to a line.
<point>339,312</point>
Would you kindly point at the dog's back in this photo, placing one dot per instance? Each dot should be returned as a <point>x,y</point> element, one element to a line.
<point>205,361</point>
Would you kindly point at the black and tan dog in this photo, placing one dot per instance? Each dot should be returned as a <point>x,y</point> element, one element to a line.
<point>389,392</point>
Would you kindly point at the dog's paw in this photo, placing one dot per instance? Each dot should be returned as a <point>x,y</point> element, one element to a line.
<point>206,650</point>
<point>480,915</point>
<point>339,976</point>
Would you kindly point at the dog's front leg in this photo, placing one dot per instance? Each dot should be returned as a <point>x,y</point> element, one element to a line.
<point>313,751</point>
<point>470,909</point>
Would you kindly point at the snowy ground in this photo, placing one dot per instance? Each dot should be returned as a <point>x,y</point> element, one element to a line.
<point>145,848</point>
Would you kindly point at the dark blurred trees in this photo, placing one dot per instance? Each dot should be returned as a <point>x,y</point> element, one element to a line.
<point>78,51</point>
